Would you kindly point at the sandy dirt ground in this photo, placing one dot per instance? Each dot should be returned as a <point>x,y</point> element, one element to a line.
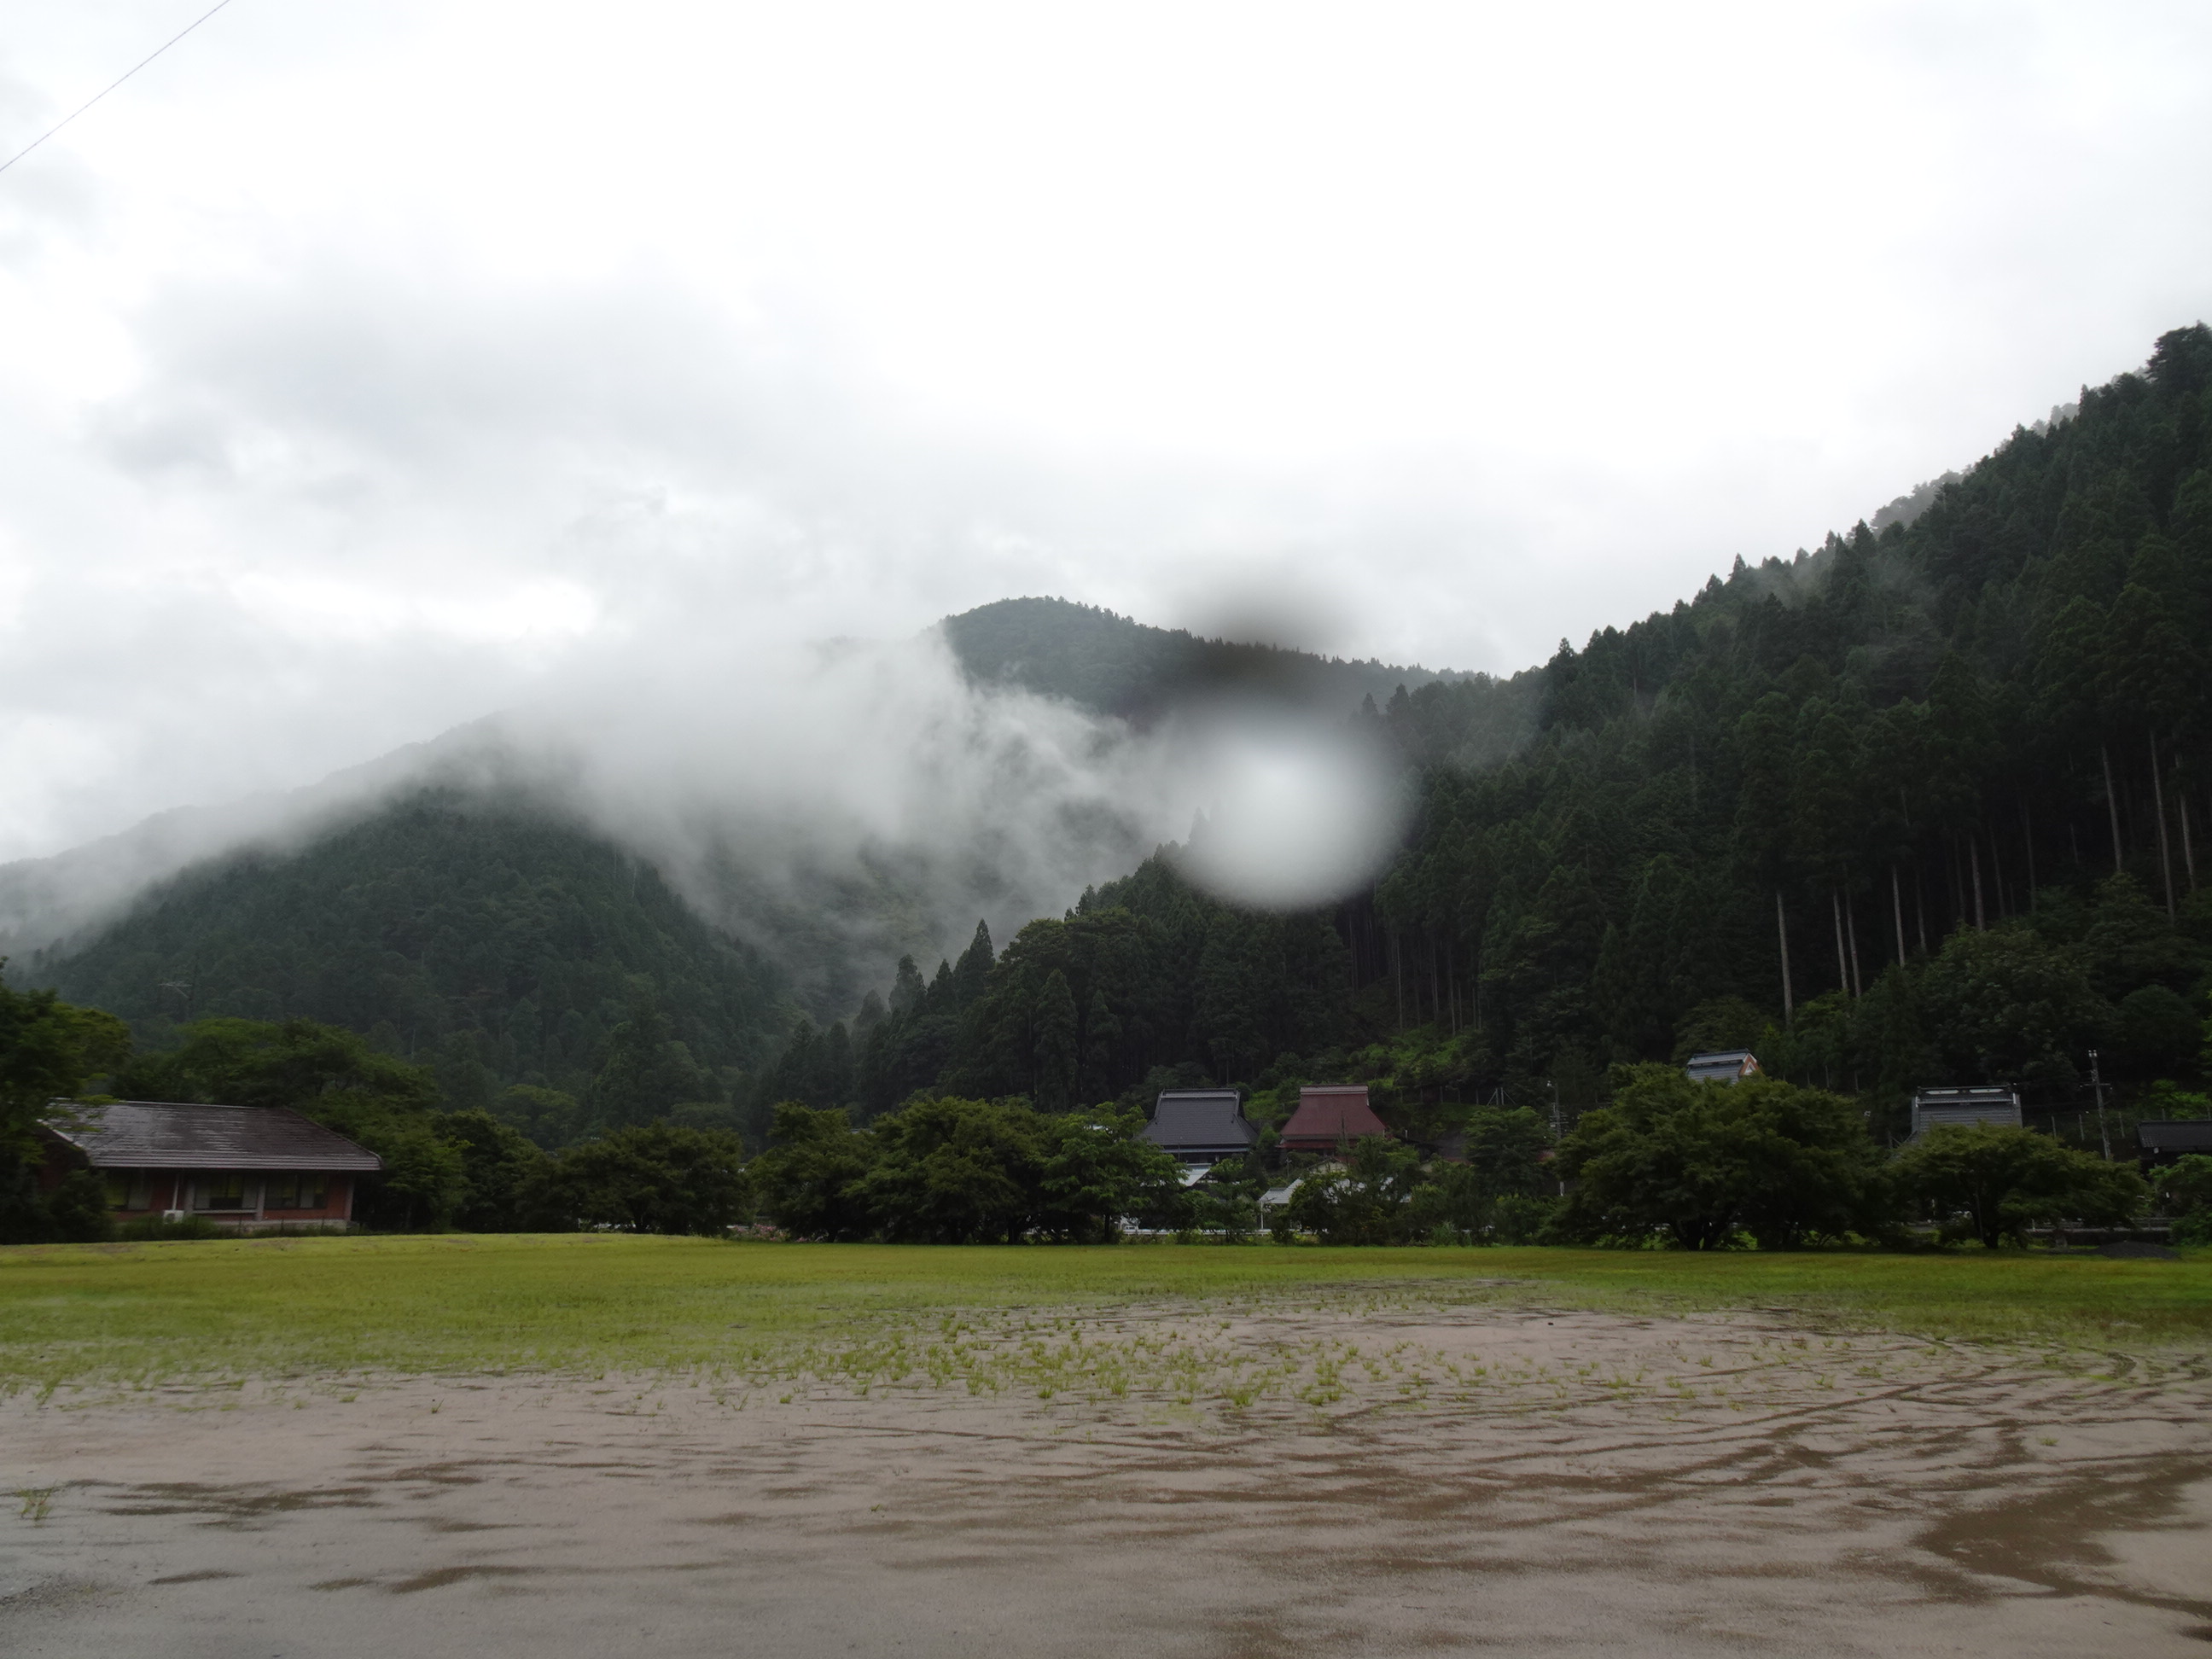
<point>1417,1480</point>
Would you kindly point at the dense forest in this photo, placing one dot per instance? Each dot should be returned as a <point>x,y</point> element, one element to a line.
<point>481,937</point>
<point>1918,806</point>
<point>1114,665</point>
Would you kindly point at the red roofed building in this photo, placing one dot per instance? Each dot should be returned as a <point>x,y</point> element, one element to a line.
<point>246,1167</point>
<point>1332,1115</point>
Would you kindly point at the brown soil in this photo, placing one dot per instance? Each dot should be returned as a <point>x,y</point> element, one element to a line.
<point>1601,1486</point>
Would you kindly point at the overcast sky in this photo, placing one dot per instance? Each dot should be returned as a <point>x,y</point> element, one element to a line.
<point>366,366</point>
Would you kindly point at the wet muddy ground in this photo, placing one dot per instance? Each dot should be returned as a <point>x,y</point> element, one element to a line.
<point>1414,1480</point>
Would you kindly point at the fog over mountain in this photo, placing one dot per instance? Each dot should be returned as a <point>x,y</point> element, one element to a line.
<point>841,804</point>
<point>374,369</point>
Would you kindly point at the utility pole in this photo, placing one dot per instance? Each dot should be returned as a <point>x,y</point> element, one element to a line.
<point>2104,1130</point>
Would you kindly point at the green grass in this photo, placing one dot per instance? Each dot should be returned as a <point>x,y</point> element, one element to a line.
<point>144,1314</point>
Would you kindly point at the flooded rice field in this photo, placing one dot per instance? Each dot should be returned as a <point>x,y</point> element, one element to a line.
<point>1384,1480</point>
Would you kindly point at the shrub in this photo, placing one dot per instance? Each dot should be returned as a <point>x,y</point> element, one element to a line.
<point>2184,1187</point>
<point>655,1178</point>
<point>77,1212</point>
<point>154,1226</point>
<point>1999,1181</point>
<point>1703,1162</point>
<point>1366,1200</point>
<point>809,1179</point>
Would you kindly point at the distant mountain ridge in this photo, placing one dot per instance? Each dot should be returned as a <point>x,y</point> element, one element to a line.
<point>1113,665</point>
<point>443,898</point>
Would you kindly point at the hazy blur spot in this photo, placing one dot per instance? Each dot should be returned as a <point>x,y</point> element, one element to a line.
<point>1300,815</point>
<point>1284,605</point>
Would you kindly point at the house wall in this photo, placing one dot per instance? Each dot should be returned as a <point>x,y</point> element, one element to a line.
<point>173,1189</point>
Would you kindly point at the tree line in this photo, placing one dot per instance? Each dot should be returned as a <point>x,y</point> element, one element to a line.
<point>1698,1165</point>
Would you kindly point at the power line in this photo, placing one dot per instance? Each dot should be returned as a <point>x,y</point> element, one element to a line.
<point>111,87</point>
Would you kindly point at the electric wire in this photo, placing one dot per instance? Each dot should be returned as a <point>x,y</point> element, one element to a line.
<point>112,85</point>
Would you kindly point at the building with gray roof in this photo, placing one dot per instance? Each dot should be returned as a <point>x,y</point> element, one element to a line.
<point>1933,1107</point>
<point>237,1166</point>
<point>1201,1125</point>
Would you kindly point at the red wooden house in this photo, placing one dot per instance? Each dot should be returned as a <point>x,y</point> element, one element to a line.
<point>1329,1117</point>
<point>246,1167</point>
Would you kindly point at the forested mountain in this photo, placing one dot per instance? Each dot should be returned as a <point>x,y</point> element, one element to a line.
<point>453,928</point>
<point>465,920</point>
<point>1917,807</point>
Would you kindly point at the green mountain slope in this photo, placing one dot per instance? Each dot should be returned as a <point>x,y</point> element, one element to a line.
<point>485,936</point>
<point>1115,666</point>
<point>1921,807</point>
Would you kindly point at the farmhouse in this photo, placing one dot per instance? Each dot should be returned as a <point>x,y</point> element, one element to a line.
<point>245,1167</point>
<point>1331,1116</point>
<point>2160,1141</point>
<point>1964,1106</point>
<point>1723,1065</point>
<point>1201,1125</point>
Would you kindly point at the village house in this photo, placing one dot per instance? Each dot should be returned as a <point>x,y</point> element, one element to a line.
<point>2160,1141</point>
<point>1330,1116</point>
<point>247,1168</point>
<point>1932,1108</point>
<point>1723,1065</point>
<point>1201,1127</point>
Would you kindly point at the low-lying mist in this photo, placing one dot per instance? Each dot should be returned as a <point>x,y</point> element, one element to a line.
<point>836,804</point>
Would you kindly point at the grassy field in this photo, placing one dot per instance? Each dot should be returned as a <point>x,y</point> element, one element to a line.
<point>137,1314</point>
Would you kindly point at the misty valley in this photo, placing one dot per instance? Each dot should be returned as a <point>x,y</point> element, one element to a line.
<point>1917,807</point>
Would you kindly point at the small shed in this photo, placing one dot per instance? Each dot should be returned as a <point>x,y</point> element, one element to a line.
<point>1722,1065</point>
<point>1201,1125</point>
<point>1330,1116</point>
<point>244,1167</point>
<point>2160,1141</point>
<point>1932,1108</point>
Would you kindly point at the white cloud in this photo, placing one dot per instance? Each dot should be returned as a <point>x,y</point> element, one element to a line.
<point>367,368</point>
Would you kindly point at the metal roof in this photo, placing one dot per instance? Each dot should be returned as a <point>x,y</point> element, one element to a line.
<point>2175,1134</point>
<point>160,1134</point>
<point>1332,1112</point>
<point>1722,1065</point>
<point>1934,1108</point>
<point>1201,1121</point>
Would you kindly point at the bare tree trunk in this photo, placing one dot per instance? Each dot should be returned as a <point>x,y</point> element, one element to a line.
<point>1851,933</point>
<point>1897,913</point>
<point>1974,858</point>
<point>1781,928</point>
<point>1842,967</point>
<point>2187,857</point>
<point>1398,975</point>
<point>2113,805</point>
<point>2027,840</point>
<point>2164,852</point>
<point>1920,907</point>
<point>1997,875</point>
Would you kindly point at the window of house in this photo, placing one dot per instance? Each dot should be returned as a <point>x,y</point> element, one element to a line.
<point>128,1189</point>
<point>294,1191</point>
<point>222,1192</point>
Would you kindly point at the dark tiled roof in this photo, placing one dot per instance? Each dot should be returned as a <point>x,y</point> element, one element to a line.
<point>1201,1121</point>
<point>155,1134</point>
<point>2175,1134</point>
<point>1332,1113</point>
